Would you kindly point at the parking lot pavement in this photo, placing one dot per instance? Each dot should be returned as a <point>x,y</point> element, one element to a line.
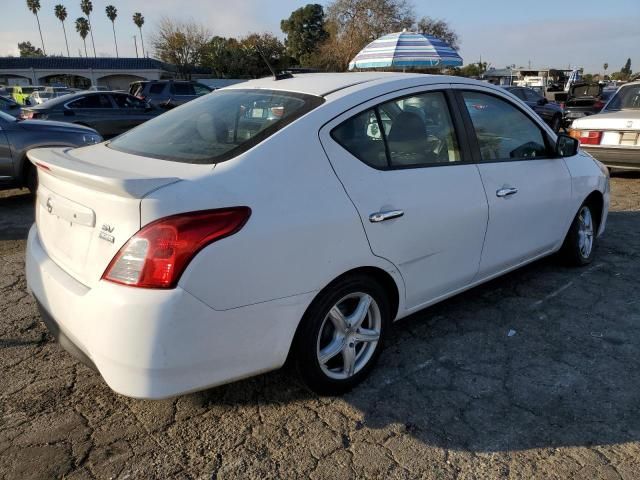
<point>534,375</point>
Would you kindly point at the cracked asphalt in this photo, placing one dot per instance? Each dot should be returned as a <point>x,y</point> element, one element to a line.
<point>453,397</point>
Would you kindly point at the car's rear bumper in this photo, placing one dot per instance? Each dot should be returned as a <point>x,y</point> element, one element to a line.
<point>615,157</point>
<point>159,343</point>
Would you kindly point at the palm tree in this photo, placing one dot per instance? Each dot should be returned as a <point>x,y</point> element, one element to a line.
<point>112,13</point>
<point>138,19</point>
<point>34,6</point>
<point>61,14</point>
<point>87,7</point>
<point>83,28</point>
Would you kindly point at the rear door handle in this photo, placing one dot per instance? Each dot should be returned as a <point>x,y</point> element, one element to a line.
<point>506,192</point>
<point>382,216</point>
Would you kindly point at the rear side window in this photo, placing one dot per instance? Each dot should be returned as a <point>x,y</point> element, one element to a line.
<point>503,131</point>
<point>183,89</point>
<point>216,127</point>
<point>156,88</point>
<point>92,101</point>
<point>407,132</point>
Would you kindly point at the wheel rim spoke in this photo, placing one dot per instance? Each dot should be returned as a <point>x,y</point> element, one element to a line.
<point>366,335</point>
<point>334,348</point>
<point>349,359</point>
<point>361,312</point>
<point>338,319</point>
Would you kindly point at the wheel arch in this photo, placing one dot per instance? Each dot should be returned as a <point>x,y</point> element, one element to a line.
<point>596,200</point>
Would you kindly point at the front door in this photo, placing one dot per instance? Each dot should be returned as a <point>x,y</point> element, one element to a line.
<point>419,197</point>
<point>528,189</point>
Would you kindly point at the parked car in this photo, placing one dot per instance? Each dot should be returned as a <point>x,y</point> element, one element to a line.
<point>98,88</point>
<point>10,106</point>
<point>21,94</point>
<point>110,113</point>
<point>168,93</point>
<point>18,136</point>
<point>551,112</point>
<point>613,135</point>
<point>585,99</point>
<point>207,245</point>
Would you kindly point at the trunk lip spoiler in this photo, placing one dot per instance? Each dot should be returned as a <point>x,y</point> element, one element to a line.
<point>59,163</point>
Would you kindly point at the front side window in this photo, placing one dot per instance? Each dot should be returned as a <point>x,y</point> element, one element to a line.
<point>407,132</point>
<point>201,89</point>
<point>128,101</point>
<point>156,88</point>
<point>531,95</point>
<point>182,89</point>
<point>504,132</point>
<point>216,127</point>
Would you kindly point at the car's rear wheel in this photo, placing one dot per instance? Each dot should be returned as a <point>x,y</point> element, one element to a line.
<point>341,335</point>
<point>31,179</point>
<point>579,245</point>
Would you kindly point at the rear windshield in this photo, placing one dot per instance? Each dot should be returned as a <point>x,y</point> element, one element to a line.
<point>216,127</point>
<point>625,98</point>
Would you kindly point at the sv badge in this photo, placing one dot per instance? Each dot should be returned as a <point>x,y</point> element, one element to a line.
<point>106,231</point>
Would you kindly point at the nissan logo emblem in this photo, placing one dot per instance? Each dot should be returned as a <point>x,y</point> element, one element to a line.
<point>49,205</point>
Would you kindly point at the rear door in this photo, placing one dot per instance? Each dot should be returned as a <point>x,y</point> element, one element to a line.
<point>131,111</point>
<point>418,194</point>
<point>95,110</point>
<point>528,189</point>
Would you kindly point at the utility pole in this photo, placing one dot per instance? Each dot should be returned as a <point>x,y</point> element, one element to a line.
<point>135,42</point>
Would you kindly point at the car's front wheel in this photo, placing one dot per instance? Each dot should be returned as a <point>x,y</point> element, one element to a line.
<point>341,335</point>
<point>579,245</point>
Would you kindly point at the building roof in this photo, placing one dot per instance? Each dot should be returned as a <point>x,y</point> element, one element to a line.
<point>501,72</point>
<point>81,63</point>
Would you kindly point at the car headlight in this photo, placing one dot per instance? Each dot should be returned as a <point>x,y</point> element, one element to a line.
<point>91,138</point>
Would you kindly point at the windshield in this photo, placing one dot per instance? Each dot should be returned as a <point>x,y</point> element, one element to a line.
<point>625,98</point>
<point>216,127</point>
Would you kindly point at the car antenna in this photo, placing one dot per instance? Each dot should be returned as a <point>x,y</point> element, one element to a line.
<point>276,76</point>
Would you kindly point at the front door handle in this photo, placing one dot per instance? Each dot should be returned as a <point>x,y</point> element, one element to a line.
<point>506,192</point>
<point>382,216</point>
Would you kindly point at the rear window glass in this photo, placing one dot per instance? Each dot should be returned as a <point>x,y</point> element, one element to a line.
<point>216,127</point>
<point>625,98</point>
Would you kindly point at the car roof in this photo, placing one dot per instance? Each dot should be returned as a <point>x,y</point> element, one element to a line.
<point>321,84</point>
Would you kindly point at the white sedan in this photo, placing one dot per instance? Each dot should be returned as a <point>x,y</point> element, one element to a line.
<point>296,218</point>
<point>613,135</point>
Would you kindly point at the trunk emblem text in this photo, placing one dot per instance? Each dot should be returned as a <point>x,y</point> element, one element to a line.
<point>49,205</point>
<point>106,232</point>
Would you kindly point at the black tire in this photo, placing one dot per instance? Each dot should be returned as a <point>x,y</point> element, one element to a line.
<point>573,250</point>
<point>313,329</point>
<point>556,123</point>
<point>31,179</point>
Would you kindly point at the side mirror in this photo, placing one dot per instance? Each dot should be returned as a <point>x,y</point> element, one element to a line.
<point>566,146</point>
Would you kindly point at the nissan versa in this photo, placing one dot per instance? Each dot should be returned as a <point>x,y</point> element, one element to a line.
<point>296,218</point>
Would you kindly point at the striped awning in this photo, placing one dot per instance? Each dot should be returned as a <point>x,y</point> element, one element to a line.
<point>406,50</point>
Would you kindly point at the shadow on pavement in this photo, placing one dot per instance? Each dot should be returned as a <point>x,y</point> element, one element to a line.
<point>16,214</point>
<point>452,377</point>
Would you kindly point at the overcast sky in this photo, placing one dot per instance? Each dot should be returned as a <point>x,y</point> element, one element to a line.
<point>554,33</point>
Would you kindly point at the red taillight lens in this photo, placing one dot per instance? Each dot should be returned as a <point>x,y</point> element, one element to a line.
<point>156,256</point>
<point>587,137</point>
<point>599,104</point>
<point>562,105</point>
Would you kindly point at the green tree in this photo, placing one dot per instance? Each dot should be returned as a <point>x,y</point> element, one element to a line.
<point>34,7</point>
<point>138,19</point>
<point>626,70</point>
<point>61,14</point>
<point>83,28</point>
<point>28,50</point>
<point>112,14</point>
<point>305,30</point>
<point>439,29</point>
<point>87,7</point>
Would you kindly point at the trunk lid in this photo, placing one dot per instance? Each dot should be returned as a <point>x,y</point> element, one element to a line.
<point>85,210</point>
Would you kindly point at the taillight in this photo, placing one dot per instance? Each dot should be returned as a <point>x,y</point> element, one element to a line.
<point>587,137</point>
<point>156,256</point>
<point>599,104</point>
<point>27,115</point>
<point>562,105</point>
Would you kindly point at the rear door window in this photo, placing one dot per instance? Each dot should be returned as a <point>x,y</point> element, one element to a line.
<point>156,88</point>
<point>183,89</point>
<point>92,101</point>
<point>128,101</point>
<point>503,131</point>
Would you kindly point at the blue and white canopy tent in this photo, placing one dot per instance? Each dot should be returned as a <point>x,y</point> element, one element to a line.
<point>406,50</point>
